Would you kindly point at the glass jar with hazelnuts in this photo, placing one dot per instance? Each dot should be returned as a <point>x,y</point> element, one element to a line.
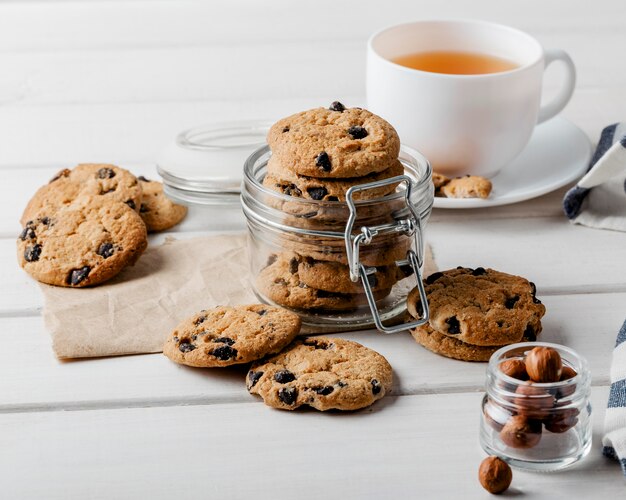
<point>536,413</point>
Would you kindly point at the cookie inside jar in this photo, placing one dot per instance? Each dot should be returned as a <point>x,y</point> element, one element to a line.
<point>294,197</point>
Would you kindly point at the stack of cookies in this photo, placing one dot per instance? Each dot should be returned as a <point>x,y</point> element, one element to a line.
<point>475,312</point>
<point>321,372</point>
<point>88,223</point>
<point>317,155</point>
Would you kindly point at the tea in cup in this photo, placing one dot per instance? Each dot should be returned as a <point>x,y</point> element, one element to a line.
<point>467,94</point>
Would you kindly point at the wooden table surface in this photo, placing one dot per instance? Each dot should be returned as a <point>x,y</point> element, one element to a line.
<point>113,81</point>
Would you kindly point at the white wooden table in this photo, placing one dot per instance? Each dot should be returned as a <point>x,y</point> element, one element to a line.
<point>113,81</point>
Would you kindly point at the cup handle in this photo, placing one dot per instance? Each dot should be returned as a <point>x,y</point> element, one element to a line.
<point>555,106</point>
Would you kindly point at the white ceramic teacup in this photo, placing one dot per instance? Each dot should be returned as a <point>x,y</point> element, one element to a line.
<point>464,124</point>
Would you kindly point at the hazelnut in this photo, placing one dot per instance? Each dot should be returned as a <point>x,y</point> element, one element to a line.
<point>521,432</point>
<point>533,401</point>
<point>561,421</point>
<point>566,374</point>
<point>494,475</point>
<point>515,368</point>
<point>543,364</point>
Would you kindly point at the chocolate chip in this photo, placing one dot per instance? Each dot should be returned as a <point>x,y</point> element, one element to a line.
<point>143,209</point>
<point>186,346</point>
<point>224,353</point>
<point>419,308</point>
<point>511,301</point>
<point>105,173</point>
<point>323,161</point>
<point>105,250</point>
<point>432,278</point>
<point>372,280</point>
<point>143,179</point>
<point>76,276</point>
<point>63,173</point>
<point>288,395</point>
<point>291,190</point>
<point>315,343</point>
<point>376,387</point>
<point>406,270</point>
<point>342,384</point>
<point>453,325</point>
<point>201,319</point>
<point>284,376</point>
<point>332,198</point>
<point>317,193</point>
<point>224,340</point>
<point>45,221</point>
<point>31,254</point>
<point>285,129</point>
<point>293,265</point>
<point>529,334</point>
<point>533,291</point>
<point>254,377</point>
<point>500,324</point>
<point>131,204</point>
<point>324,391</point>
<point>357,132</point>
<point>271,259</point>
<point>194,337</point>
<point>479,271</point>
<point>262,312</point>
<point>337,106</point>
<point>28,233</point>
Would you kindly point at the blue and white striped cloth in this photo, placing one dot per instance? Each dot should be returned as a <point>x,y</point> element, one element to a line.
<point>614,440</point>
<point>599,198</point>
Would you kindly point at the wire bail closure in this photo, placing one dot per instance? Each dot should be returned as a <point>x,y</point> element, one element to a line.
<point>411,226</point>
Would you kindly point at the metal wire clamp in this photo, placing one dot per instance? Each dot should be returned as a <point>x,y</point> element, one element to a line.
<point>412,226</point>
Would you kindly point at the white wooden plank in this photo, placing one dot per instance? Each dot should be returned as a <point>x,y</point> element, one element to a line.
<point>403,447</point>
<point>59,25</point>
<point>124,133</point>
<point>44,383</point>
<point>256,71</point>
<point>550,251</point>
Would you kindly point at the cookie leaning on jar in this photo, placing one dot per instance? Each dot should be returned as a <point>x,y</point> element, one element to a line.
<point>317,155</point>
<point>475,312</point>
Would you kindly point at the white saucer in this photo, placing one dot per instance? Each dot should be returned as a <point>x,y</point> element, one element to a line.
<point>558,153</point>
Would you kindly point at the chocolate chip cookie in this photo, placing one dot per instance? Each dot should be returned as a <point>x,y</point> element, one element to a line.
<point>335,142</point>
<point>481,307</point>
<point>324,373</point>
<point>226,335</point>
<point>451,347</point>
<point>82,244</point>
<point>157,210</point>
<point>107,182</point>
<point>470,186</point>
<point>287,182</point>
<point>280,282</point>
<point>335,277</point>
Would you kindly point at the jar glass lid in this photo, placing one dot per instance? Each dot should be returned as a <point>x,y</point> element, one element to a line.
<point>204,165</point>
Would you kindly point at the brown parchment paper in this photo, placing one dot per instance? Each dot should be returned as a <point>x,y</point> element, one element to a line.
<point>134,312</point>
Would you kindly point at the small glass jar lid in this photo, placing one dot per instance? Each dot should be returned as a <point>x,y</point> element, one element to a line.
<point>204,165</point>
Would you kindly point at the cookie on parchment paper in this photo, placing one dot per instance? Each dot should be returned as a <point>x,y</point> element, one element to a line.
<point>229,335</point>
<point>157,210</point>
<point>82,244</point>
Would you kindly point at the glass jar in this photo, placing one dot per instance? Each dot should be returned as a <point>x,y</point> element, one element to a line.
<point>339,265</point>
<point>536,426</point>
